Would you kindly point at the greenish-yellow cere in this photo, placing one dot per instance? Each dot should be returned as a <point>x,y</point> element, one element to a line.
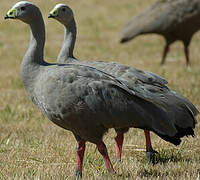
<point>54,12</point>
<point>12,12</point>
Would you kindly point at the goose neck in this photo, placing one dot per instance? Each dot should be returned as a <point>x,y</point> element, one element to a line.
<point>37,41</point>
<point>68,44</point>
<point>33,59</point>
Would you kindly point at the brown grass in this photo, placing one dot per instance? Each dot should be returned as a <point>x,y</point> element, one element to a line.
<point>31,147</point>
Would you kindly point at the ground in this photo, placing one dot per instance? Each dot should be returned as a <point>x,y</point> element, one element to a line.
<point>32,147</point>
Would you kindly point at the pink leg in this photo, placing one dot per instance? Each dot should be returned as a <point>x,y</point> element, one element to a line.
<point>103,150</point>
<point>119,143</point>
<point>79,159</point>
<point>148,141</point>
<point>149,150</point>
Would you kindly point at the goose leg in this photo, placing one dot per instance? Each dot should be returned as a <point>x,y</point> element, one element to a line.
<point>150,153</point>
<point>79,159</point>
<point>119,143</point>
<point>103,151</point>
<point>166,50</point>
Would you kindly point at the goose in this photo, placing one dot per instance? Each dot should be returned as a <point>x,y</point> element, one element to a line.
<point>149,85</point>
<point>174,20</point>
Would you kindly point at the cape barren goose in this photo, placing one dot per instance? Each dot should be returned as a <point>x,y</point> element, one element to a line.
<point>174,20</point>
<point>147,85</point>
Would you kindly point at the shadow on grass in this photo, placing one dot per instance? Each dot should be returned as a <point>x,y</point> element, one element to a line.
<point>170,156</point>
<point>163,157</point>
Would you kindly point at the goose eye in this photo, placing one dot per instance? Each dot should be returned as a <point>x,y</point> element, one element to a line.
<point>63,9</point>
<point>23,8</point>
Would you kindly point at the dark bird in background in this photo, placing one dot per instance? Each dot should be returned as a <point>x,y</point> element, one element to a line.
<point>173,19</point>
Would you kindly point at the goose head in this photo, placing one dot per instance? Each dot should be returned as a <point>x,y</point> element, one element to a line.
<point>24,11</point>
<point>62,13</point>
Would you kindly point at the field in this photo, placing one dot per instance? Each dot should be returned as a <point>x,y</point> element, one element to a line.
<point>32,147</point>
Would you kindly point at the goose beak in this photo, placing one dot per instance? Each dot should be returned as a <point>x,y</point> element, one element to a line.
<point>53,13</point>
<point>50,16</point>
<point>11,14</point>
<point>6,16</point>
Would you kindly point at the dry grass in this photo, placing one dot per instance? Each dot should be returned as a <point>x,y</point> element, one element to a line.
<point>31,147</point>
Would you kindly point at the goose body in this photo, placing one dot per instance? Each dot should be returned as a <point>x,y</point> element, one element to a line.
<point>146,85</point>
<point>174,20</point>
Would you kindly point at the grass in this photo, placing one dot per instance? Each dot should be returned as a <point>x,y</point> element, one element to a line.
<point>31,147</point>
